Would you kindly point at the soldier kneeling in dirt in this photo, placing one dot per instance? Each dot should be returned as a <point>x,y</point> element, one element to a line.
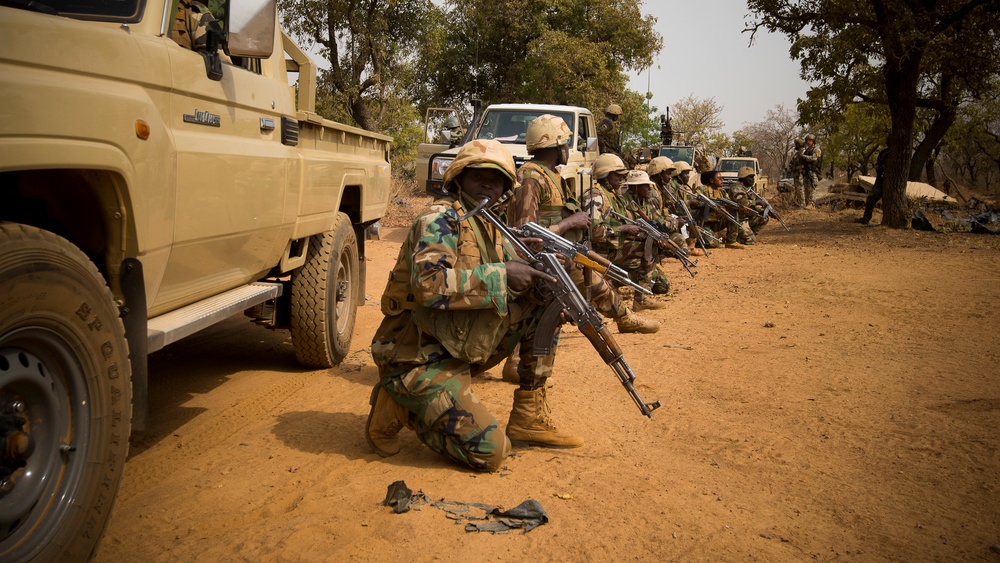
<point>457,303</point>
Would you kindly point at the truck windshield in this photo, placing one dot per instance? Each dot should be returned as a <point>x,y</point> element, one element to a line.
<point>733,165</point>
<point>510,125</point>
<point>129,11</point>
<point>678,153</point>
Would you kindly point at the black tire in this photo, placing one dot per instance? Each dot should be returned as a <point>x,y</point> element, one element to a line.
<point>64,359</point>
<point>325,297</point>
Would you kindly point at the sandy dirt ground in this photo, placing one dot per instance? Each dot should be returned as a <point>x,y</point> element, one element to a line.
<point>840,400</point>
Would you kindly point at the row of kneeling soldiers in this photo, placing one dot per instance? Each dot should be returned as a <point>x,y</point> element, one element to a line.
<point>459,300</point>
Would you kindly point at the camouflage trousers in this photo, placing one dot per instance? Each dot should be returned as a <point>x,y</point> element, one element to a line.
<point>446,414</point>
<point>602,296</point>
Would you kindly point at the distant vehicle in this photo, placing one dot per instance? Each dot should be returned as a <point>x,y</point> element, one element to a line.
<point>508,123</point>
<point>730,167</point>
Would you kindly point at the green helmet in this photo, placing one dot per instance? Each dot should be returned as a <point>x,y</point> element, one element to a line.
<point>451,123</point>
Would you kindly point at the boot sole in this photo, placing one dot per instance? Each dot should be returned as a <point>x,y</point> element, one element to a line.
<point>368,424</point>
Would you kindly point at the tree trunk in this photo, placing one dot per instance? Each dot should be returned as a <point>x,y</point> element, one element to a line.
<point>901,76</point>
<point>932,139</point>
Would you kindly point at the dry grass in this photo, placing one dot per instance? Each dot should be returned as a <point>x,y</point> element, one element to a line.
<point>406,201</point>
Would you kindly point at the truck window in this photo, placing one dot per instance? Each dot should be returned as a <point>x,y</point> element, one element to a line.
<point>729,165</point>
<point>581,132</point>
<point>678,153</point>
<point>510,125</point>
<point>127,11</point>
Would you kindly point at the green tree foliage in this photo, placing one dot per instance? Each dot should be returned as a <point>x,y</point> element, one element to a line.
<point>972,147</point>
<point>698,121</point>
<point>573,52</point>
<point>895,52</point>
<point>368,45</point>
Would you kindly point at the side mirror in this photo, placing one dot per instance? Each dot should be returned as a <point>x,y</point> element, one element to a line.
<point>591,144</point>
<point>250,28</point>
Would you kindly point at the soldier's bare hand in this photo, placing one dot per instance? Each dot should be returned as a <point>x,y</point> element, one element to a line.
<point>521,276</point>
<point>578,220</point>
<point>630,230</point>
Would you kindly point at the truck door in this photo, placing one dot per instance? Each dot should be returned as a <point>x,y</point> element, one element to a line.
<point>232,174</point>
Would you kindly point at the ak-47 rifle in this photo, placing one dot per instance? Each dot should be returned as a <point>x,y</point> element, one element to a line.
<point>721,211</point>
<point>679,202</point>
<point>736,207</point>
<point>568,299</point>
<point>577,253</point>
<point>768,208</point>
<point>655,233</point>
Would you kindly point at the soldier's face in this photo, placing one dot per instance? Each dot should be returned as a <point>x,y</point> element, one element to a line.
<point>684,176</point>
<point>615,180</point>
<point>641,190</point>
<point>717,181</point>
<point>478,183</point>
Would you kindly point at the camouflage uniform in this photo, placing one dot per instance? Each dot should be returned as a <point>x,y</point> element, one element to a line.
<point>796,170</point>
<point>658,280</point>
<point>810,163</point>
<point>608,137</point>
<point>448,314</point>
<point>625,252</point>
<point>543,198</point>
<point>191,25</point>
<point>713,220</point>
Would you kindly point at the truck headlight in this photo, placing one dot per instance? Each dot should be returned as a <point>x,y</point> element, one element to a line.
<point>438,167</point>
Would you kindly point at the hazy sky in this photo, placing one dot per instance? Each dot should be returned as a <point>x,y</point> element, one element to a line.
<point>704,53</point>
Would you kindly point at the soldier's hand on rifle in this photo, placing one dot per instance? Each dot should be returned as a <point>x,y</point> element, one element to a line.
<point>521,276</point>
<point>578,220</point>
<point>630,230</point>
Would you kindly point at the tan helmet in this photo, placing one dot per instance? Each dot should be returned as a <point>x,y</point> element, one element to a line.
<point>613,109</point>
<point>680,167</point>
<point>637,178</point>
<point>482,153</point>
<point>811,137</point>
<point>659,164</point>
<point>606,164</point>
<point>744,172</point>
<point>800,142</point>
<point>546,131</point>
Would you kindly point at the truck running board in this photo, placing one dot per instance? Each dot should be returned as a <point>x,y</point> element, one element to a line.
<point>171,327</point>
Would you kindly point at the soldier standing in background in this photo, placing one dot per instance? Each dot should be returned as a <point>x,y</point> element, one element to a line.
<point>454,131</point>
<point>608,137</point>
<point>457,302</point>
<point>876,193</point>
<point>795,169</point>
<point>810,158</point>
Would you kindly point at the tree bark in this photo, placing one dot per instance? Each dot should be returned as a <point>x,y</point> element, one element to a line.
<point>901,76</point>
<point>924,155</point>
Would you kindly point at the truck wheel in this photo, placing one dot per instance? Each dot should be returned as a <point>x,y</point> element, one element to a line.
<point>65,398</point>
<point>325,297</point>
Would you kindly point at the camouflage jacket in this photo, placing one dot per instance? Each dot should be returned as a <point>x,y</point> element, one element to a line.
<point>191,25</point>
<point>608,137</point>
<point>447,294</point>
<point>597,202</point>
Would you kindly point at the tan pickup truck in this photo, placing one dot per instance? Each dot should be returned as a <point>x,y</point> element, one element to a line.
<point>508,123</point>
<point>730,167</point>
<point>147,191</point>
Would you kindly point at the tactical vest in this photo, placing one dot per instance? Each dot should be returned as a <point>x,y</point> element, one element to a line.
<point>559,204</point>
<point>471,335</point>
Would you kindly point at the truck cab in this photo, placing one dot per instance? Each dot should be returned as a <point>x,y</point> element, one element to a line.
<point>730,166</point>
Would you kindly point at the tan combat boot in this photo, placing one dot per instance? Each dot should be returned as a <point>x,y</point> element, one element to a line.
<point>385,420</point>
<point>530,423</point>
<point>735,245</point>
<point>632,322</point>
<point>643,302</point>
